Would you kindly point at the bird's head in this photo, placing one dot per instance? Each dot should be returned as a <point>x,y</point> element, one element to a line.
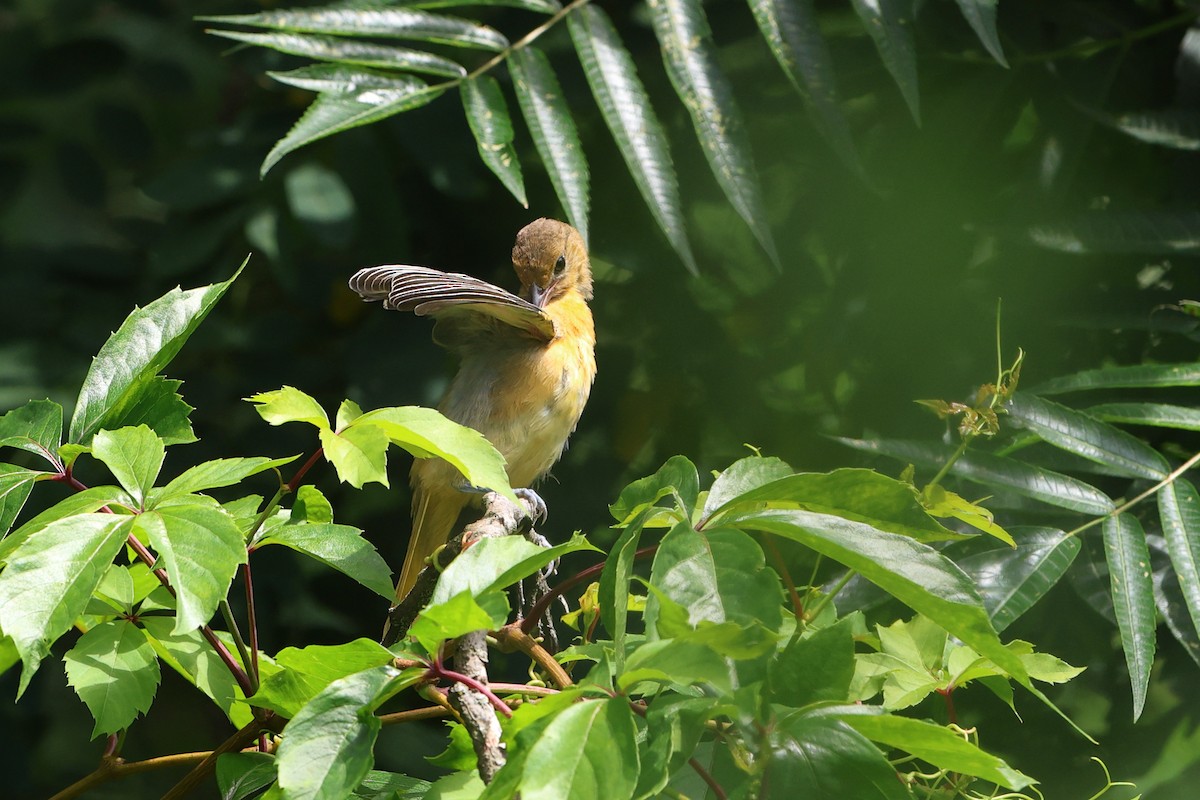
<point>551,259</point>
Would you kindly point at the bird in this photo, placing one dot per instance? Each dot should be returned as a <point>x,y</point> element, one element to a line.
<point>527,364</point>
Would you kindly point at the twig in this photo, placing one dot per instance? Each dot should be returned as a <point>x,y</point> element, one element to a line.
<point>235,743</point>
<point>514,637</point>
<point>470,697</point>
<point>539,608</point>
<point>1121,509</point>
<point>114,768</point>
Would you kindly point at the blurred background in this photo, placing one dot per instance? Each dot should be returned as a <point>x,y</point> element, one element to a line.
<point>130,145</point>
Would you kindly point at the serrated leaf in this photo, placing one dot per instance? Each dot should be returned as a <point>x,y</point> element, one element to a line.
<point>1133,599</point>
<point>425,433</point>
<point>741,477</point>
<point>217,473</point>
<point>289,404</point>
<point>814,668</point>
<point>677,478</point>
<point>305,672</point>
<point>358,453</point>
<point>910,571</point>
<point>1135,376</point>
<point>114,671</point>
<point>1179,509</point>
<point>190,655</point>
<point>937,745</point>
<point>84,502</point>
<point>128,362</point>
<point>327,749</point>
<point>15,485</point>
<point>200,547</point>
<point>553,130</point>
<point>135,456</point>
<point>339,546</point>
<point>673,662</point>
<point>1156,232</point>
<point>889,23</point>
<point>630,118</point>
<point>496,563</point>
<point>332,113</point>
<point>160,407</point>
<point>981,16</point>
<point>1078,433</point>
<point>691,63</point>
<point>49,579</point>
<point>372,20</point>
<point>487,115</point>
<point>35,427</point>
<point>348,51</point>
<point>460,615</point>
<point>791,30</point>
<point>987,469</point>
<point>344,78</point>
<point>1012,580</point>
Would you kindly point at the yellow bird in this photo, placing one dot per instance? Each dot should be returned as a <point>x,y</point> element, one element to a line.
<point>527,366</point>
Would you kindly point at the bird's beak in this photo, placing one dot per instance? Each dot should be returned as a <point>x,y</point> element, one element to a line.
<point>538,294</point>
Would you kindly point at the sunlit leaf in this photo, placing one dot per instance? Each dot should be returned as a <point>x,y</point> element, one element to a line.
<point>690,58</point>
<point>1159,415</point>
<point>134,455</point>
<point>635,127</point>
<point>339,546</point>
<point>1135,376</point>
<point>348,51</point>
<point>35,427</point>
<point>1176,128</point>
<point>1012,580</point>
<point>1179,508</point>
<point>114,671</point>
<point>487,115</point>
<point>553,131</point>
<point>1133,599</point>
<point>217,473</point>
<point>305,672</point>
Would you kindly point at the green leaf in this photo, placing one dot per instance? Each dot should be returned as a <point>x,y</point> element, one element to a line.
<point>160,407</point>
<point>496,563</point>
<point>1159,415</point>
<point>889,22</point>
<point>242,775</point>
<point>938,745</point>
<point>289,405</point>
<point>677,478</point>
<point>200,547</point>
<point>1176,128</point>
<point>358,453</point>
<point>941,502</point>
<point>1179,509</point>
<point>339,546</point>
<point>114,671</point>
<point>1158,232</point>
<point>487,114</point>
<point>553,131</point>
<point>457,616</point>
<point>690,59</point>
<point>305,672</point>
<point>350,52</point>
<point>587,750</point>
<point>1029,480</point>
<point>126,366</point>
<point>365,19</point>
<point>1136,376</point>
<point>135,456</point>
<point>215,474</point>
<point>718,575</point>
<point>327,747</point>
<point>344,78</point>
<point>1012,580</point>
<point>614,586</point>
<point>1133,599</point>
<point>814,668</point>
<point>190,655</point>
<point>35,427</point>
<point>859,494</point>
<point>741,477</point>
<point>910,571</point>
<point>793,33</point>
<point>15,485</point>
<point>333,113</point>
<point>626,109</point>
<point>673,662</point>
<point>426,433</point>
<point>379,785</point>
<point>540,6</point>
<point>981,16</point>
<point>84,502</point>
<point>1078,433</point>
<point>49,579</point>
<point>816,756</point>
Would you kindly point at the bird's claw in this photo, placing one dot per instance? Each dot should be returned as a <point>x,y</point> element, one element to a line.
<point>534,504</point>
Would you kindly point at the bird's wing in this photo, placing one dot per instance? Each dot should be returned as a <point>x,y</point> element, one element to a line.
<point>446,295</point>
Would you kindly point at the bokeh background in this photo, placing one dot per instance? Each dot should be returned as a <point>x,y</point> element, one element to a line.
<point>130,143</point>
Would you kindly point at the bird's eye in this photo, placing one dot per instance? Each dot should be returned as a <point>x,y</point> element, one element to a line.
<point>560,265</point>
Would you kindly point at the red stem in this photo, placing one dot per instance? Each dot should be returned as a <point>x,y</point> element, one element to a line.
<point>294,483</point>
<point>438,670</point>
<point>539,608</point>
<point>777,557</point>
<point>709,779</point>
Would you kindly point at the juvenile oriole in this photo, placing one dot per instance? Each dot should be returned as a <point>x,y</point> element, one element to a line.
<point>527,366</point>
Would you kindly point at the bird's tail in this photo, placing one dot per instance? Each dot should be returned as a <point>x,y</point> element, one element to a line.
<point>436,509</point>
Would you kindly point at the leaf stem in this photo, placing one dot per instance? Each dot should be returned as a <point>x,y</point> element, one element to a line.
<point>819,606</point>
<point>251,620</point>
<point>1121,509</point>
<point>238,641</point>
<point>539,608</point>
<point>707,777</point>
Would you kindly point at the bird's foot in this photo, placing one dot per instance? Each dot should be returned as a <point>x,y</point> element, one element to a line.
<point>535,505</point>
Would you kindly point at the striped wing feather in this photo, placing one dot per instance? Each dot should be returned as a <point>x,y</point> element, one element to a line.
<point>430,292</point>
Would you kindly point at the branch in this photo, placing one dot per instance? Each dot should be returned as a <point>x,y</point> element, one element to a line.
<point>514,637</point>
<point>239,741</point>
<point>473,701</point>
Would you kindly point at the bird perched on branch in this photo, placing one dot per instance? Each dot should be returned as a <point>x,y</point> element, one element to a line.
<point>527,365</point>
